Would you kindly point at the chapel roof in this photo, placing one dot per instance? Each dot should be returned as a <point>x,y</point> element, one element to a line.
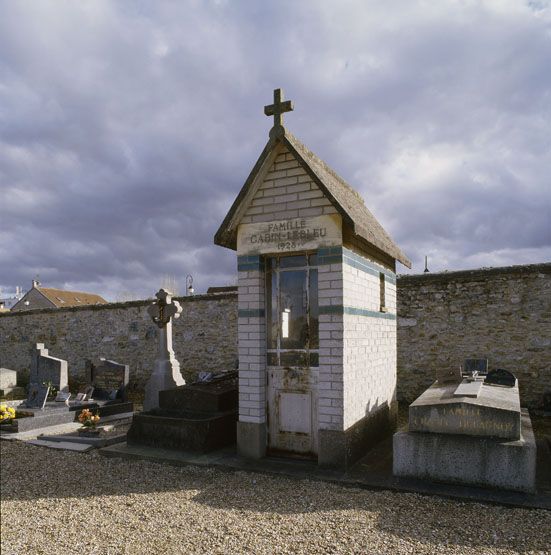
<point>344,198</point>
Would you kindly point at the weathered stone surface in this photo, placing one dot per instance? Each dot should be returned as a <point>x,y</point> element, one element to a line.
<point>495,412</point>
<point>469,460</point>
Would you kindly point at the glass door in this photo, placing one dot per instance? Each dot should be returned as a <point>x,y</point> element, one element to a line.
<point>292,355</point>
<point>292,315</point>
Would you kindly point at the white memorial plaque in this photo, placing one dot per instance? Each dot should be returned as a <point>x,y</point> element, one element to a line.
<point>295,234</point>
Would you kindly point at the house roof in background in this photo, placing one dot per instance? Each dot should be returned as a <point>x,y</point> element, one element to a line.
<point>61,298</point>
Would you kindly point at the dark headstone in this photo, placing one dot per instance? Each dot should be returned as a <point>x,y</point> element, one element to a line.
<point>478,365</point>
<point>109,379</point>
<point>46,369</point>
<point>501,377</point>
<point>38,395</point>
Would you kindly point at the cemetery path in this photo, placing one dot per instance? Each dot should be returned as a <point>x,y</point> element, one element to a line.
<point>64,502</point>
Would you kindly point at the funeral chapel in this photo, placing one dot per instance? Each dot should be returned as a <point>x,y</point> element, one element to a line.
<point>316,308</point>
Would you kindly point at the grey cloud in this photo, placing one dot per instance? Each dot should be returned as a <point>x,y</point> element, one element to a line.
<point>126,130</point>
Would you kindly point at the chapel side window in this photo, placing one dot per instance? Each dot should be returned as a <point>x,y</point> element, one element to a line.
<point>292,311</point>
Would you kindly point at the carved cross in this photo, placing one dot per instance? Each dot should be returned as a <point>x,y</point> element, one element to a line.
<point>278,108</point>
<point>162,310</point>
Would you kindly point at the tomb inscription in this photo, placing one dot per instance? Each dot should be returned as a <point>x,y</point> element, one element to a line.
<point>296,234</point>
<point>474,420</point>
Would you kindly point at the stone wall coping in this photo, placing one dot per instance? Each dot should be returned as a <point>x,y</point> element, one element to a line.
<point>469,275</point>
<point>126,304</point>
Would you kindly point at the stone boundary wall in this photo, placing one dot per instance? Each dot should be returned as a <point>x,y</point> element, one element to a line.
<point>502,314</point>
<point>204,336</point>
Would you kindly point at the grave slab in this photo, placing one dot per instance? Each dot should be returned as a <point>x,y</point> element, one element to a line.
<point>65,445</point>
<point>495,412</point>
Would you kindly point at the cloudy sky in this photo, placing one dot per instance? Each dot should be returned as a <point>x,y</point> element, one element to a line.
<point>127,128</point>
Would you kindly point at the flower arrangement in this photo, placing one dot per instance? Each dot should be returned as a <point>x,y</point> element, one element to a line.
<point>87,419</point>
<point>6,413</point>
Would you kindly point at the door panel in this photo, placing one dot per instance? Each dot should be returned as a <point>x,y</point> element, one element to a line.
<point>292,373</point>
<point>293,410</point>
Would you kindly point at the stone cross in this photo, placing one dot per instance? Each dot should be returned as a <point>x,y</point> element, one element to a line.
<point>166,374</point>
<point>164,308</point>
<point>278,108</point>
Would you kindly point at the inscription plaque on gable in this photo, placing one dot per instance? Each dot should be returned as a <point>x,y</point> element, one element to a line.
<point>295,234</point>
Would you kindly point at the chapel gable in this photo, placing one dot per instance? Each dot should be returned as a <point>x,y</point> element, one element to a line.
<point>287,191</point>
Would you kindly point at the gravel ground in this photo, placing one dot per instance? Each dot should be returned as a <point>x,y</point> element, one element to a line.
<point>63,502</point>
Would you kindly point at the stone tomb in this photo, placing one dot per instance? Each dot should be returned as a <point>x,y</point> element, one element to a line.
<point>197,417</point>
<point>316,308</point>
<point>108,378</point>
<point>483,439</point>
<point>48,369</point>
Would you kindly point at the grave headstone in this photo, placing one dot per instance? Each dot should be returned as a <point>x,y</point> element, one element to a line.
<point>8,379</point>
<point>46,369</point>
<point>476,365</point>
<point>166,373</point>
<point>38,394</point>
<point>109,379</point>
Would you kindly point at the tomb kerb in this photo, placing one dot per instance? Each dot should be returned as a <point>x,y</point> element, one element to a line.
<point>316,308</point>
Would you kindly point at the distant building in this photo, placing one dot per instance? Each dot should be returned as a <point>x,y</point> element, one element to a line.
<point>7,302</point>
<point>46,297</point>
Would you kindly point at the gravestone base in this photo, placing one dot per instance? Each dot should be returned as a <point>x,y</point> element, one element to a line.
<point>471,460</point>
<point>341,449</point>
<point>58,413</point>
<point>251,439</point>
<point>16,391</point>
<point>165,376</point>
<point>191,433</point>
<point>37,418</point>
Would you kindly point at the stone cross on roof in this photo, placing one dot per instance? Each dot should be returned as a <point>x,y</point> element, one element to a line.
<point>278,108</point>
<point>162,310</point>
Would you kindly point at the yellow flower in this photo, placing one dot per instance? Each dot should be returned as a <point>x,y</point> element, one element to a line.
<point>3,408</point>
